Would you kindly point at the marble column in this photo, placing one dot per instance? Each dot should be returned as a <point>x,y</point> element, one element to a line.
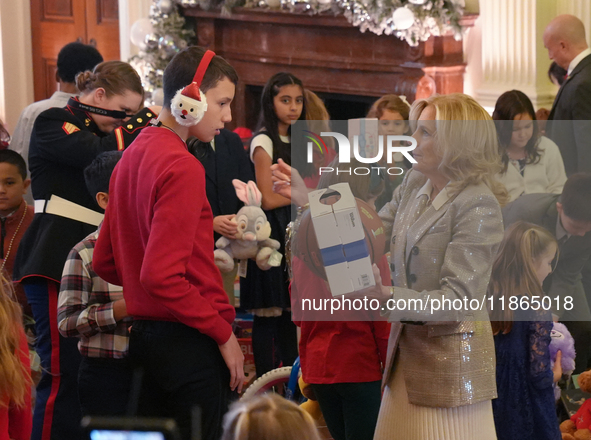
<point>513,53</point>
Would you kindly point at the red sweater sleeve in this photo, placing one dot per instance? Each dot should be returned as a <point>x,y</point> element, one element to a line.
<point>171,248</point>
<point>20,420</point>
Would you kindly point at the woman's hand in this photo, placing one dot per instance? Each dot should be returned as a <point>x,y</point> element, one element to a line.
<point>557,369</point>
<point>223,225</point>
<point>377,291</point>
<point>264,178</point>
<point>288,183</point>
<point>281,177</point>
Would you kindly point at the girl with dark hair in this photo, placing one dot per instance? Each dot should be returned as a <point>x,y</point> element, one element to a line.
<point>557,74</point>
<point>107,115</point>
<point>531,163</point>
<point>282,103</point>
<point>266,292</point>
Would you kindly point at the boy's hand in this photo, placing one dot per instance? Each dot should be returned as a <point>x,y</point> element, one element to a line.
<point>119,310</point>
<point>223,224</point>
<point>232,354</point>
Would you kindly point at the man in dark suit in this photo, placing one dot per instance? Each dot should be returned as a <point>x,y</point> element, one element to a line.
<point>224,159</point>
<point>568,217</point>
<point>569,123</point>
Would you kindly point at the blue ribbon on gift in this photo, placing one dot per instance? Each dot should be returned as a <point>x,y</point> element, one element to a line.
<point>341,253</point>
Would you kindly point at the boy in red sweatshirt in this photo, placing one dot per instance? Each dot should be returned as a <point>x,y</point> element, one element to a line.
<point>156,241</point>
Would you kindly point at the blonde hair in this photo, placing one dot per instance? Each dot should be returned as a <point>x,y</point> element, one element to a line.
<point>116,77</point>
<point>268,417</point>
<point>317,116</point>
<point>315,108</point>
<point>514,270</point>
<point>466,142</point>
<point>15,379</point>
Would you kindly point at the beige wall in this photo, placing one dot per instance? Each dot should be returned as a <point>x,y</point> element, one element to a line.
<point>16,71</point>
<point>129,12</point>
<point>472,6</point>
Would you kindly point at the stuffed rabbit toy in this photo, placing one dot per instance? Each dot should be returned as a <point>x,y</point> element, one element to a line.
<point>252,239</point>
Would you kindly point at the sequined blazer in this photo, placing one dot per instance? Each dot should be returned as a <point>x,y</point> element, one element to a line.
<point>442,250</point>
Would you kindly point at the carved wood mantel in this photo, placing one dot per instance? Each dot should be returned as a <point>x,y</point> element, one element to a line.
<point>328,54</point>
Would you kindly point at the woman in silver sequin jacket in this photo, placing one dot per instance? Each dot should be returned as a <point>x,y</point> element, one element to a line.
<point>445,225</point>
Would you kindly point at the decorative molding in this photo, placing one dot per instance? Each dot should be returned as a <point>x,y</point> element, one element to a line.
<point>513,54</point>
<point>16,61</point>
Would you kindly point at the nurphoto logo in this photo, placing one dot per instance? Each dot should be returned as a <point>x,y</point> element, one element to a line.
<point>368,148</point>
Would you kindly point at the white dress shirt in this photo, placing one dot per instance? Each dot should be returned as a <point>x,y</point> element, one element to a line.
<point>576,60</point>
<point>546,176</point>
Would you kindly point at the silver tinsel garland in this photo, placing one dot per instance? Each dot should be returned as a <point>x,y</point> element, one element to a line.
<point>410,20</point>
<point>167,36</point>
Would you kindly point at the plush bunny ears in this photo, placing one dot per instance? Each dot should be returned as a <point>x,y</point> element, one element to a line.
<point>189,104</point>
<point>249,193</point>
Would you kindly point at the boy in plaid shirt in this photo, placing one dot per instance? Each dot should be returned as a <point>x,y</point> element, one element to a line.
<point>94,311</point>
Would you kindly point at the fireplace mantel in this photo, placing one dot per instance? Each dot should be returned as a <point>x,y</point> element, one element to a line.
<point>328,54</point>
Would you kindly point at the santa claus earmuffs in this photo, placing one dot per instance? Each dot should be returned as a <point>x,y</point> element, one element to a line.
<point>189,104</point>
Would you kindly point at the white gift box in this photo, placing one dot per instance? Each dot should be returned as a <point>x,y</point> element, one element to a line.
<point>341,239</point>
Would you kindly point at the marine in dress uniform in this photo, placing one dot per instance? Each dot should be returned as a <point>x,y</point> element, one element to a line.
<point>64,142</point>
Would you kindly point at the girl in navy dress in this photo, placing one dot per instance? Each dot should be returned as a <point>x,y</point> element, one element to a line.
<point>265,293</point>
<point>525,408</point>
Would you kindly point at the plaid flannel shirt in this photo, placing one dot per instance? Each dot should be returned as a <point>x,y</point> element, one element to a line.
<point>85,306</point>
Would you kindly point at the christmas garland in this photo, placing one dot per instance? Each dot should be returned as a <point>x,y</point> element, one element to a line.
<point>410,20</point>
<point>165,32</point>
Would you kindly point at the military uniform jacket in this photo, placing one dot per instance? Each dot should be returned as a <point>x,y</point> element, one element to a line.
<point>64,141</point>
